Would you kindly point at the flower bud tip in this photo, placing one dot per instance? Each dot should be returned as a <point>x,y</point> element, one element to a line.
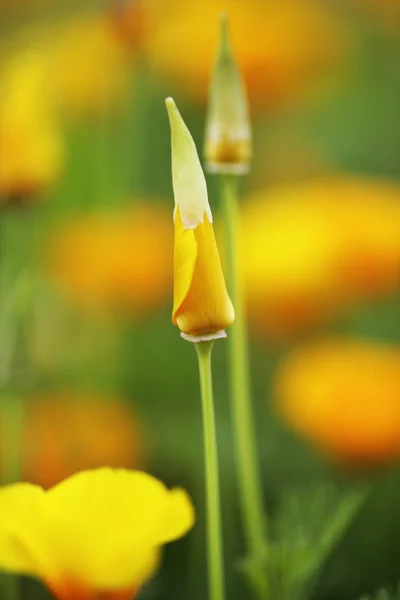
<point>227,147</point>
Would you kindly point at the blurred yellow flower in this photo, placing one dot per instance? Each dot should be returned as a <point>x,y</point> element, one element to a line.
<point>98,531</point>
<point>117,259</point>
<point>315,247</point>
<point>89,68</point>
<point>344,396</point>
<point>66,432</point>
<point>368,219</point>
<point>202,307</point>
<point>31,146</point>
<point>281,45</point>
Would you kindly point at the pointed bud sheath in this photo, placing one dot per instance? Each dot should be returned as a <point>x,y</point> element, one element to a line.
<point>202,308</point>
<point>227,148</point>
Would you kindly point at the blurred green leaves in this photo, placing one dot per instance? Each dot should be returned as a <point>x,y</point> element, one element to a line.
<point>307,527</point>
<point>384,594</point>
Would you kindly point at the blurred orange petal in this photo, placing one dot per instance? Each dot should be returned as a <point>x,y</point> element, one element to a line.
<point>127,21</point>
<point>65,432</point>
<point>314,248</point>
<point>344,397</point>
<point>118,259</point>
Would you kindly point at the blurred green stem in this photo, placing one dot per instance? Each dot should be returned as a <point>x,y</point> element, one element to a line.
<point>214,529</point>
<point>14,291</point>
<point>247,463</point>
<point>12,422</point>
<point>10,587</point>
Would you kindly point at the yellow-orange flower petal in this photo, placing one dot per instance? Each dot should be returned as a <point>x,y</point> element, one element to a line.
<point>92,259</point>
<point>344,396</point>
<point>311,248</point>
<point>31,145</point>
<point>97,531</point>
<point>65,432</point>
<point>22,546</point>
<point>201,302</point>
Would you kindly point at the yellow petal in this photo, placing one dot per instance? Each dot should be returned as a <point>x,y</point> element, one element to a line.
<point>185,255</point>
<point>179,517</point>
<point>206,307</point>
<point>98,504</point>
<point>22,545</point>
<point>98,530</point>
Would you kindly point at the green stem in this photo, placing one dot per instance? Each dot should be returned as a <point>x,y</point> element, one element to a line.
<point>10,587</point>
<point>248,469</point>
<point>13,314</point>
<point>12,422</point>
<point>214,529</point>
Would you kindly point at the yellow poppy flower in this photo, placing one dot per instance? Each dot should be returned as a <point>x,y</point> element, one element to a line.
<point>31,145</point>
<point>91,260</point>
<point>313,248</point>
<point>281,45</point>
<point>98,531</point>
<point>344,396</point>
<point>202,308</point>
<point>65,432</point>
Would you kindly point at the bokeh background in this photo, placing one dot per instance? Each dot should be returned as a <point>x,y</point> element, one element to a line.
<point>88,351</point>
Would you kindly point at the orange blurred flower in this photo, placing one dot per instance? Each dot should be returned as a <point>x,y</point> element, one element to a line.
<point>65,432</point>
<point>316,247</point>
<point>127,21</point>
<point>344,396</point>
<point>31,145</point>
<point>281,46</point>
<point>117,259</point>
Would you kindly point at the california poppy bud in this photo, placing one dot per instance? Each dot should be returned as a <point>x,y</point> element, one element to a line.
<point>202,308</point>
<point>227,147</point>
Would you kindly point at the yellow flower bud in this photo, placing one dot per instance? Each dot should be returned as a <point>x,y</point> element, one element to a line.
<point>227,147</point>
<point>202,308</point>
